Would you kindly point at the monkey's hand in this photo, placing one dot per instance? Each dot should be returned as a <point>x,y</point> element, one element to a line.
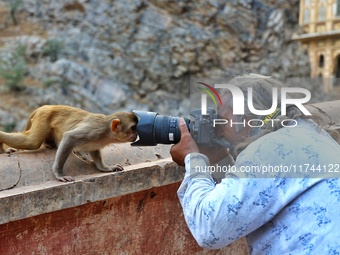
<point>5,149</point>
<point>117,168</point>
<point>114,168</point>
<point>65,178</point>
<point>98,161</point>
<point>10,150</point>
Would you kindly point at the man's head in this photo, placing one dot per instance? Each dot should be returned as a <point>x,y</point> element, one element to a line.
<point>262,97</point>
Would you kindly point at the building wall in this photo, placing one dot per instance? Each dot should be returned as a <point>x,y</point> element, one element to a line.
<point>145,222</point>
<point>320,23</point>
<point>319,15</point>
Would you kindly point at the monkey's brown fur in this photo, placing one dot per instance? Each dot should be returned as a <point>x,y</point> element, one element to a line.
<point>71,128</point>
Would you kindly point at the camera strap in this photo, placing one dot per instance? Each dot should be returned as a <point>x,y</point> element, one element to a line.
<point>265,120</point>
<point>271,116</point>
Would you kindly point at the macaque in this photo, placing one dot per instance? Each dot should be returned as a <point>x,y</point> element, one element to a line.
<point>70,129</point>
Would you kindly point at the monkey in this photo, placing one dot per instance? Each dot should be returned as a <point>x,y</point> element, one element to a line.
<point>69,128</point>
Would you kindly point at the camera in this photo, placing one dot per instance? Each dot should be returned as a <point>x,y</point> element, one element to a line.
<point>202,128</point>
<point>154,129</point>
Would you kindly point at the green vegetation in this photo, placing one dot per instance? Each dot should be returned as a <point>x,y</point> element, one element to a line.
<point>52,49</point>
<point>14,68</point>
<point>64,84</point>
<point>14,6</point>
<point>8,128</point>
<point>50,81</point>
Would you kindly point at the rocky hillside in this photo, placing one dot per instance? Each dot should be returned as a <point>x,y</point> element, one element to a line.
<point>133,54</point>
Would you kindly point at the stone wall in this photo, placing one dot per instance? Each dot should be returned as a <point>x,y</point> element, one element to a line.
<point>141,54</point>
<point>149,222</point>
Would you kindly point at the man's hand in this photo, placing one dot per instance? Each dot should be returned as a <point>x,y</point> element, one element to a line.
<point>185,146</point>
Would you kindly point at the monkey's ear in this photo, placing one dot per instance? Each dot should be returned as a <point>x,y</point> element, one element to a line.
<point>114,124</point>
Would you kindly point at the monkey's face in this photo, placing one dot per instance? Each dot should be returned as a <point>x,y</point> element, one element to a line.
<point>126,131</point>
<point>131,134</point>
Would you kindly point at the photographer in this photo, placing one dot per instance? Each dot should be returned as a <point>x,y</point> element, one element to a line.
<point>277,214</point>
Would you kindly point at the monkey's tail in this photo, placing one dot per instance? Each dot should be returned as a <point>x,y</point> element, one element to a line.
<point>29,121</point>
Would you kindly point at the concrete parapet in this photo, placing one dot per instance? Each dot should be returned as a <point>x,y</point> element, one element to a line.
<point>29,188</point>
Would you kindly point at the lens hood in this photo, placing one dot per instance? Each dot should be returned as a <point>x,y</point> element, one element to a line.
<point>145,128</point>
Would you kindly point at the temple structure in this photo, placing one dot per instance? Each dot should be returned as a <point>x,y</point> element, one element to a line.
<point>320,23</point>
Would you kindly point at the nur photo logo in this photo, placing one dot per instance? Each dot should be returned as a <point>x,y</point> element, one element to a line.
<point>267,115</point>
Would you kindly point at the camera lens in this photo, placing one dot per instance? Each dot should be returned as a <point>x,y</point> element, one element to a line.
<point>166,129</point>
<point>153,128</point>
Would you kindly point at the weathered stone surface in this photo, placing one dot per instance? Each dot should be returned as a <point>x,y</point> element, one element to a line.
<point>112,94</point>
<point>69,71</point>
<point>10,174</point>
<point>35,167</point>
<point>28,186</point>
<point>6,119</point>
<point>145,222</point>
<point>149,46</point>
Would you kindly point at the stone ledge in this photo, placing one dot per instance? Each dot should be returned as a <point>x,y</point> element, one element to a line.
<point>28,201</point>
<point>27,168</point>
<point>29,188</point>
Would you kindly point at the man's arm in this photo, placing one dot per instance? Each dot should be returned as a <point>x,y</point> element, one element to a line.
<point>212,212</point>
<point>219,214</point>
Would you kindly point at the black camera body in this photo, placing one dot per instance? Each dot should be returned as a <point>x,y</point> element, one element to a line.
<point>153,128</point>
<point>202,128</point>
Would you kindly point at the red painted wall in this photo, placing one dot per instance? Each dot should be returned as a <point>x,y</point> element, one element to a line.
<point>147,222</point>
